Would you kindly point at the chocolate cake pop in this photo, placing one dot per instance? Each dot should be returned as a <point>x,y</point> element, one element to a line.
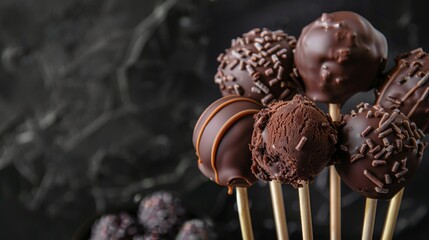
<point>407,87</point>
<point>258,65</point>
<point>338,55</point>
<point>161,213</point>
<point>221,139</point>
<point>292,141</point>
<point>380,151</point>
<point>119,226</point>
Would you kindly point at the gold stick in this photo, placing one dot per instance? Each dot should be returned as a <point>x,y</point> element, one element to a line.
<point>392,216</point>
<point>305,209</point>
<point>244,213</point>
<point>335,187</point>
<point>369,219</point>
<point>279,210</point>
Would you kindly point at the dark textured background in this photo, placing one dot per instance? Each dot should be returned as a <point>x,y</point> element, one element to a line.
<point>98,100</point>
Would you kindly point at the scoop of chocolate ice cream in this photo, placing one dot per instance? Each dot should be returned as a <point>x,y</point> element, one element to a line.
<point>292,141</point>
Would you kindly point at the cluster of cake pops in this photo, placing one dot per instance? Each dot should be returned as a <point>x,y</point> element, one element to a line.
<point>268,127</point>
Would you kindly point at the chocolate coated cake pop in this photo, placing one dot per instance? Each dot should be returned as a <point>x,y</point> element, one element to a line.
<point>221,139</point>
<point>380,151</point>
<point>338,55</point>
<point>407,87</point>
<point>258,65</point>
<point>292,141</point>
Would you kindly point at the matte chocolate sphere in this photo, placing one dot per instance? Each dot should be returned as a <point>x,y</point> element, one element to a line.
<point>161,214</point>
<point>406,87</point>
<point>380,151</point>
<point>292,141</point>
<point>221,139</point>
<point>338,55</point>
<point>258,66</point>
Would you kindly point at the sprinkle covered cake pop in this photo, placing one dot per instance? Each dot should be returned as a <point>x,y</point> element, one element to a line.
<point>221,139</point>
<point>380,151</point>
<point>407,87</point>
<point>292,141</point>
<point>338,55</point>
<point>258,66</point>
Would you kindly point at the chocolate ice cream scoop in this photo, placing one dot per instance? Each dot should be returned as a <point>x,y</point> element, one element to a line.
<point>221,139</point>
<point>406,87</point>
<point>258,65</point>
<point>292,141</point>
<point>380,151</point>
<point>338,55</point>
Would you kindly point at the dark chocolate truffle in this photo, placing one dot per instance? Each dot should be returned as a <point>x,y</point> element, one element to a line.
<point>338,55</point>
<point>380,151</point>
<point>116,226</point>
<point>407,87</point>
<point>292,141</point>
<point>221,139</point>
<point>258,65</point>
<point>196,229</point>
<point>161,214</point>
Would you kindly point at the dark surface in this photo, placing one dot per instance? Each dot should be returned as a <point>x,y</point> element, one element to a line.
<point>99,99</point>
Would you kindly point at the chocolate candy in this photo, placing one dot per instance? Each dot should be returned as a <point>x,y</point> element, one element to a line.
<point>338,55</point>
<point>119,226</point>
<point>258,65</point>
<point>406,87</point>
<point>380,151</point>
<point>196,229</point>
<point>292,141</point>
<point>161,213</point>
<point>221,139</point>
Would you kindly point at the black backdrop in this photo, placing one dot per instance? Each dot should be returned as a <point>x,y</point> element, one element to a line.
<point>98,100</point>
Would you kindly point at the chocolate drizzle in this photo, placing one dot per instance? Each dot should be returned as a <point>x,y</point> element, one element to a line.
<point>382,151</point>
<point>265,63</point>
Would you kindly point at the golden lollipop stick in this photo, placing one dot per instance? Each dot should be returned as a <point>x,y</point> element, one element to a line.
<point>279,210</point>
<point>369,219</point>
<point>244,213</point>
<point>392,216</point>
<point>305,209</point>
<point>335,187</point>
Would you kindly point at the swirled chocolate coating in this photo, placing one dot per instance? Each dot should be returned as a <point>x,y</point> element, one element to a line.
<point>258,66</point>
<point>406,87</point>
<point>338,55</point>
<point>221,139</point>
<point>292,141</point>
<point>380,151</point>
